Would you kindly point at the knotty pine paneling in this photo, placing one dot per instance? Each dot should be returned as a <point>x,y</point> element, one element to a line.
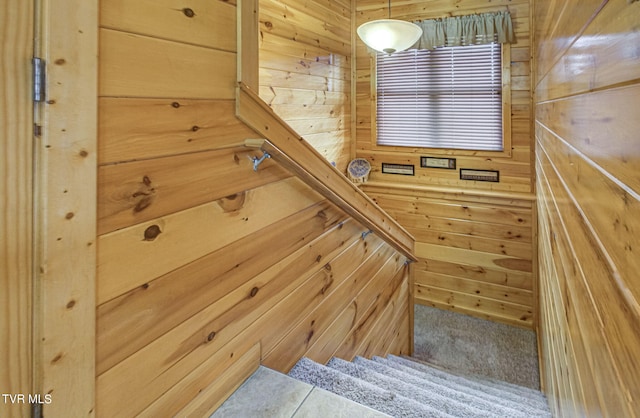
<point>578,69</point>
<point>475,246</point>
<point>142,66</point>
<point>381,268</point>
<point>609,113</point>
<point>138,191</point>
<point>65,166</point>
<point>201,22</point>
<point>136,129</point>
<point>210,397</point>
<point>475,254</point>
<point>589,205</point>
<point>166,303</point>
<point>369,337</point>
<point>305,61</point>
<point>204,227</point>
<point>583,275</point>
<point>205,267</point>
<point>17,207</point>
<point>183,347</point>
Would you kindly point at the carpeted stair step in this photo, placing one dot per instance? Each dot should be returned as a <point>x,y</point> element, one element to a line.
<point>471,392</point>
<point>361,391</point>
<point>401,387</point>
<point>456,402</point>
<point>520,389</point>
<point>516,394</point>
<point>484,382</point>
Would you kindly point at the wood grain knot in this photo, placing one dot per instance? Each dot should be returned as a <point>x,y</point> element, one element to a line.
<point>232,203</point>
<point>144,203</point>
<point>144,197</point>
<point>211,336</point>
<point>175,105</point>
<point>188,12</point>
<point>254,291</point>
<point>327,286</point>
<point>152,233</point>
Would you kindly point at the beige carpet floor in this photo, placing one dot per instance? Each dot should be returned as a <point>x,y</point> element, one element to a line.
<point>475,346</point>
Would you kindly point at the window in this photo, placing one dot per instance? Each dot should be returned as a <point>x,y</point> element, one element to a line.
<point>444,98</point>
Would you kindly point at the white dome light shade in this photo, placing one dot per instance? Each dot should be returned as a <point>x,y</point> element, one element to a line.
<point>389,35</point>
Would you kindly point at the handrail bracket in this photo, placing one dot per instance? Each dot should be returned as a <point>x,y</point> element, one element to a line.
<point>257,161</point>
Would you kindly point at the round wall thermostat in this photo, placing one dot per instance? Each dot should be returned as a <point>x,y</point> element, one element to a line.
<point>358,170</point>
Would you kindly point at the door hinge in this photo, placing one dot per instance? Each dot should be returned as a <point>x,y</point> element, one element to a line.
<point>36,410</point>
<point>39,81</point>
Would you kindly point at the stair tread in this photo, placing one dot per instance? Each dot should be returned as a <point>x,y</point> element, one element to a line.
<point>453,401</point>
<point>531,398</point>
<point>268,393</point>
<point>250,399</point>
<point>430,368</point>
<point>362,392</point>
<point>322,403</point>
<point>377,388</point>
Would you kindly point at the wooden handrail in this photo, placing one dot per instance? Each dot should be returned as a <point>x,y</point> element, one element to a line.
<point>298,156</point>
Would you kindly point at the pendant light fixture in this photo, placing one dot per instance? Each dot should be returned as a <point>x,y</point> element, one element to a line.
<point>389,35</point>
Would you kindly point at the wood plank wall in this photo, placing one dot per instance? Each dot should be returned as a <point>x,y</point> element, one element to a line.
<point>588,162</point>
<point>305,70</point>
<point>475,239</point>
<point>16,205</point>
<point>65,204</point>
<point>205,267</point>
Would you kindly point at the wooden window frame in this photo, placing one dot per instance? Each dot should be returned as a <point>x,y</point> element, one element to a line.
<point>506,118</point>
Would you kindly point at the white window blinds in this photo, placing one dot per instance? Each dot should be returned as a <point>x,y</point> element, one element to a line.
<point>444,98</point>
